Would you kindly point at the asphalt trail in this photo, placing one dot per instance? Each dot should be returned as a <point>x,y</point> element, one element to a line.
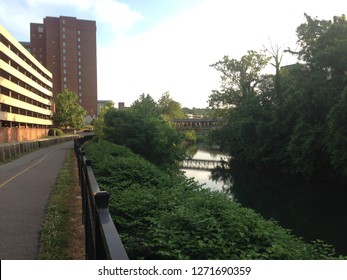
<point>25,186</point>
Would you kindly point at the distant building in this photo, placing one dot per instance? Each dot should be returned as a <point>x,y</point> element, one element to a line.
<point>25,92</point>
<point>26,45</point>
<point>121,105</point>
<point>101,104</point>
<point>67,47</point>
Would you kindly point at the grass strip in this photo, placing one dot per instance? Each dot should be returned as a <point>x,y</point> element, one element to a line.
<point>55,231</point>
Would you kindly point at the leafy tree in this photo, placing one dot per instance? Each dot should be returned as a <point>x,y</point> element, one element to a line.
<point>149,137</point>
<point>245,96</point>
<point>294,120</point>
<point>169,108</point>
<point>99,121</point>
<point>68,112</point>
<point>337,137</point>
<point>240,79</point>
<point>145,106</point>
<point>205,112</point>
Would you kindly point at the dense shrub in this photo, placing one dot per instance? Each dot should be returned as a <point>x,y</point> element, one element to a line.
<point>55,132</point>
<point>172,217</point>
<point>150,137</point>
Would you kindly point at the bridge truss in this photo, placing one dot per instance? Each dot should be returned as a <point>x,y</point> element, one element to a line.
<point>198,124</point>
<point>203,164</point>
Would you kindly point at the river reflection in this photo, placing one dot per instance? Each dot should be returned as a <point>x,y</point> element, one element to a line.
<point>205,177</point>
<point>311,210</point>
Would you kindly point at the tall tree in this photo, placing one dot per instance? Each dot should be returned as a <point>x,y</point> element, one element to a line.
<point>169,108</point>
<point>149,137</point>
<point>145,106</point>
<point>69,114</point>
<point>99,122</point>
<point>277,55</point>
<point>239,80</point>
<point>296,120</point>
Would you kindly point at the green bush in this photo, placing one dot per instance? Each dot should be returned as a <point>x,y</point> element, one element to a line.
<point>149,137</point>
<point>161,216</point>
<point>55,132</point>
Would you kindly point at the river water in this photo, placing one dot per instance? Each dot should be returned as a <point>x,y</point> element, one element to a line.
<point>311,210</point>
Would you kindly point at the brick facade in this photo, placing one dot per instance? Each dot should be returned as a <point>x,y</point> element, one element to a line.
<point>67,47</point>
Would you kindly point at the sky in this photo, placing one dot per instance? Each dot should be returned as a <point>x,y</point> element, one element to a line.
<point>155,46</point>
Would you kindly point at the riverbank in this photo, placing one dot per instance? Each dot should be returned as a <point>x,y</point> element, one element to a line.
<point>167,216</point>
<point>312,210</point>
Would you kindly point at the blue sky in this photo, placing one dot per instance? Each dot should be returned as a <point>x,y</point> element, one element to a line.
<point>154,46</point>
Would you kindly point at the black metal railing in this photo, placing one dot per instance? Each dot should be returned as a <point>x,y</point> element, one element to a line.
<point>102,240</point>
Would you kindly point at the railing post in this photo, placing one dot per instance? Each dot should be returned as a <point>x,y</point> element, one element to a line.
<point>101,199</point>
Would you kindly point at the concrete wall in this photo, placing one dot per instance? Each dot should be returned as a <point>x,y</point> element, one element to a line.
<point>20,134</point>
<point>10,151</point>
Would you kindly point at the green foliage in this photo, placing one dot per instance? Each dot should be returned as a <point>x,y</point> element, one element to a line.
<point>55,132</point>
<point>145,107</point>
<point>149,137</point>
<point>162,216</point>
<point>204,112</point>
<point>337,136</point>
<point>295,120</point>
<point>170,109</point>
<point>68,112</point>
<point>240,79</point>
<point>108,159</point>
<point>98,123</point>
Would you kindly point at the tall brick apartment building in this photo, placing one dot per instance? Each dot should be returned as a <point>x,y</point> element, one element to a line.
<point>66,46</point>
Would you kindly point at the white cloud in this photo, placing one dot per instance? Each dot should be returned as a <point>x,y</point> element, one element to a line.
<point>176,54</point>
<point>118,15</point>
<point>115,13</point>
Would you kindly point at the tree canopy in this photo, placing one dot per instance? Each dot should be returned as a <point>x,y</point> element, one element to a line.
<point>69,114</point>
<point>145,128</point>
<point>296,119</point>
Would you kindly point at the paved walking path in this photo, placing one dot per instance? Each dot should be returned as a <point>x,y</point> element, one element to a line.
<point>25,186</point>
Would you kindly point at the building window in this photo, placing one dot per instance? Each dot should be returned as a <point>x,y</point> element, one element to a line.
<point>40,29</point>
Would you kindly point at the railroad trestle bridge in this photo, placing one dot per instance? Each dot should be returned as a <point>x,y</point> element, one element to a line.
<point>198,124</point>
<point>203,164</point>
